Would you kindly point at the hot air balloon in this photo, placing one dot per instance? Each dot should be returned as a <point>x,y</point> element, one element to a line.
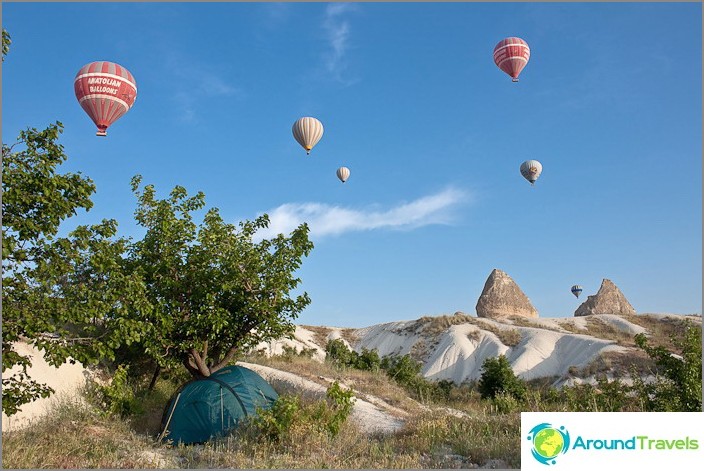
<point>576,290</point>
<point>531,170</point>
<point>511,55</point>
<point>307,132</point>
<point>106,91</point>
<point>343,173</point>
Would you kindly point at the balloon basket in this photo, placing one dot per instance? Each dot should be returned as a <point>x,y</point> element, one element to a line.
<point>101,133</point>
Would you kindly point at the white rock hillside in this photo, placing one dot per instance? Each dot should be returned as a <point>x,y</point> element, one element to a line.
<point>455,347</point>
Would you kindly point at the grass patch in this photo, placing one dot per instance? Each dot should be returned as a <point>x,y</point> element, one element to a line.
<point>616,364</point>
<point>661,330</point>
<point>320,334</point>
<point>596,327</point>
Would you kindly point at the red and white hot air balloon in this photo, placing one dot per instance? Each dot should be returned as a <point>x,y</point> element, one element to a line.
<point>511,55</point>
<point>106,91</point>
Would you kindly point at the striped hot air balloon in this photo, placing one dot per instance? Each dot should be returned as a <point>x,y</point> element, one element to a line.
<point>343,173</point>
<point>106,91</point>
<point>307,131</point>
<point>531,170</point>
<point>576,290</point>
<point>511,55</point>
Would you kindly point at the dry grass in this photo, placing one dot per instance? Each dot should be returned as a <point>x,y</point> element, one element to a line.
<point>661,330</point>
<point>616,364</point>
<point>350,335</point>
<point>76,436</point>
<point>79,437</point>
<point>366,383</point>
<point>596,327</point>
<point>320,334</point>
<point>509,336</point>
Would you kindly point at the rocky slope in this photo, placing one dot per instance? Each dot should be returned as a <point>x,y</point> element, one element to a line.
<point>608,300</point>
<point>562,350</point>
<point>502,297</point>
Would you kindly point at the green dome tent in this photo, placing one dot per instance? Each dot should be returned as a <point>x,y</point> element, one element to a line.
<point>210,407</point>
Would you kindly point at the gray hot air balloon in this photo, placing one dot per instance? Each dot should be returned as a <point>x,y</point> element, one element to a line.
<point>307,132</point>
<point>531,170</point>
<point>576,290</point>
<point>343,173</point>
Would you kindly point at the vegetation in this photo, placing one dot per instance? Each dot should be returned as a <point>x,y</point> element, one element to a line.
<point>678,386</point>
<point>498,378</point>
<point>214,291</point>
<point>68,296</point>
<point>461,428</point>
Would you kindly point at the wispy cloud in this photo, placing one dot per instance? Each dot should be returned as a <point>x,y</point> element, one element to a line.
<point>195,82</point>
<point>327,220</point>
<point>337,30</point>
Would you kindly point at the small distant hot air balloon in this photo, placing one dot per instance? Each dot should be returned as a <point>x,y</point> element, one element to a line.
<point>511,55</point>
<point>531,170</point>
<point>105,91</point>
<point>576,290</point>
<point>343,173</point>
<point>307,131</point>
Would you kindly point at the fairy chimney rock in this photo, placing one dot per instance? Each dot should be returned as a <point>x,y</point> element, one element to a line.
<point>502,297</point>
<point>608,300</point>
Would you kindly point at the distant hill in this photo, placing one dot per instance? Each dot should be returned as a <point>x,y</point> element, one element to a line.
<point>556,350</point>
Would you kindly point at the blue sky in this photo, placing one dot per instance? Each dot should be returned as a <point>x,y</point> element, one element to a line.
<point>432,131</point>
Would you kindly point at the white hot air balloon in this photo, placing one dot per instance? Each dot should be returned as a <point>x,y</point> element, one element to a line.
<point>531,170</point>
<point>343,173</point>
<point>307,132</point>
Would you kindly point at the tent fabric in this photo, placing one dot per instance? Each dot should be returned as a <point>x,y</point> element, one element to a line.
<point>212,406</point>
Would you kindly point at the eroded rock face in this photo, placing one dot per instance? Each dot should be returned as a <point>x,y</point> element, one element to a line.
<point>608,300</point>
<point>502,297</point>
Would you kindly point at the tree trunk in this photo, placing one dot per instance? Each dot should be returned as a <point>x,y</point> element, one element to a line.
<point>155,377</point>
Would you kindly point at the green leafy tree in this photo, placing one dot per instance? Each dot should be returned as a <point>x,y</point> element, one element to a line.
<point>678,386</point>
<point>337,352</point>
<point>498,377</point>
<point>6,41</point>
<point>215,292</point>
<point>64,295</point>
<point>403,369</point>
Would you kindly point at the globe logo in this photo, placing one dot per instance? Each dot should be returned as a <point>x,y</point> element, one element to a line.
<point>548,442</point>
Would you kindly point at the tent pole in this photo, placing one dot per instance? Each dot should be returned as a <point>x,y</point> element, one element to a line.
<point>166,427</point>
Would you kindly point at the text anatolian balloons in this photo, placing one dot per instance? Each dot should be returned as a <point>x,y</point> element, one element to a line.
<point>307,132</point>
<point>531,170</point>
<point>511,55</point>
<point>106,91</point>
<point>343,173</point>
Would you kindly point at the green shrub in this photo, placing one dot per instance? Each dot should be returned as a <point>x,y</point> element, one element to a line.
<point>678,386</point>
<point>498,377</point>
<point>368,360</point>
<point>505,403</point>
<point>403,369</point>
<point>337,352</point>
<point>341,403</point>
<point>288,417</point>
<point>118,397</point>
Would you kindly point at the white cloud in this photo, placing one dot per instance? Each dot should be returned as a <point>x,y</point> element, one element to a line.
<point>337,29</point>
<point>327,220</point>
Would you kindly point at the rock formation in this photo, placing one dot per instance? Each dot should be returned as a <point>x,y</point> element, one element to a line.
<point>502,297</point>
<point>608,300</point>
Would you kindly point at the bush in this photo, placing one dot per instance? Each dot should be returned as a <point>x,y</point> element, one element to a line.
<point>288,417</point>
<point>403,369</point>
<point>678,386</point>
<point>337,352</point>
<point>368,360</point>
<point>118,397</point>
<point>498,377</point>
